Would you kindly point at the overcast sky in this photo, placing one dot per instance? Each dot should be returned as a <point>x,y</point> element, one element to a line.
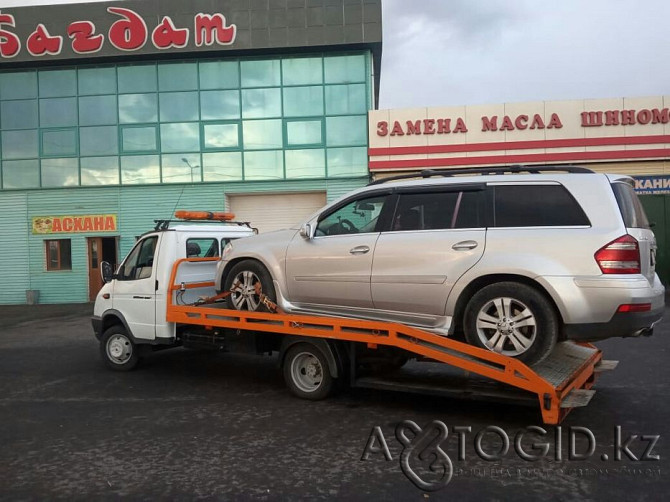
<point>460,52</point>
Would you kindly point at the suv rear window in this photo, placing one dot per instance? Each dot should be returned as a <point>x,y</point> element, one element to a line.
<point>536,206</point>
<point>631,209</point>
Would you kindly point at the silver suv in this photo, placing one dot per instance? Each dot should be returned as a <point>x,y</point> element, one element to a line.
<point>514,262</point>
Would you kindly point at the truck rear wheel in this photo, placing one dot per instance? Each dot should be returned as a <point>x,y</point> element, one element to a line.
<point>118,350</point>
<point>306,372</point>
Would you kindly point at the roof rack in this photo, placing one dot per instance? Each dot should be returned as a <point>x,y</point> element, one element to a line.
<point>516,169</point>
<point>165,224</point>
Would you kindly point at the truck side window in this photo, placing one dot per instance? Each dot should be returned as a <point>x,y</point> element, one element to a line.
<point>202,248</point>
<point>140,261</point>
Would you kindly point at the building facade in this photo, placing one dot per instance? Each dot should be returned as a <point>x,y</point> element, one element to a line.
<point>115,114</point>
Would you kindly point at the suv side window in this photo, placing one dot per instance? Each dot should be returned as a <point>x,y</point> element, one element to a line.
<point>357,217</point>
<point>140,261</point>
<point>536,206</point>
<point>438,210</point>
<point>631,209</point>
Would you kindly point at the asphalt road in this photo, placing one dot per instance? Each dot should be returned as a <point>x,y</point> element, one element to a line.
<point>189,425</point>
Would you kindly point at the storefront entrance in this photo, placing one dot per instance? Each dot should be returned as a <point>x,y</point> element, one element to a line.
<point>99,249</point>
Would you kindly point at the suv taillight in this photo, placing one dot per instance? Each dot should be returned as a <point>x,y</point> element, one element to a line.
<point>621,256</point>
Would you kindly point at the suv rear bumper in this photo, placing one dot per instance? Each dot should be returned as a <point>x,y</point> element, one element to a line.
<point>622,324</point>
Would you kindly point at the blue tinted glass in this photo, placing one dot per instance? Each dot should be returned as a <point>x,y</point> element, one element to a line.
<point>97,110</point>
<point>183,137</point>
<point>178,106</point>
<point>344,69</point>
<point>303,101</point>
<point>58,142</point>
<point>58,112</point>
<point>18,85</point>
<point>219,75</point>
<point>181,168</point>
<point>222,166</point>
<point>264,165</point>
<point>138,139</point>
<point>260,73</point>
<point>262,134</point>
<point>97,81</point>
<point>261,103</point>
<point>177,76</point>
<point>55,83</point>
<point>221,135</point>
<point>301,71</point>
<point>99,170</point>
<point>19,144</point>
<point>347,131</point>
<point>138,108</point>
<point>60,172</point>
<point>18,114</point>
<point>21,174</point>
<point>98,140</point>
<point>305,163</point>
<point>346,99</point>
<point>140,78</point>
<point>347,161</point>
<point>140,169</point>
<point>304,132</point>
<point>217,105</point>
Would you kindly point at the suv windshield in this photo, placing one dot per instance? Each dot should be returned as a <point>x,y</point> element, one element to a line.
<point>631,209</point>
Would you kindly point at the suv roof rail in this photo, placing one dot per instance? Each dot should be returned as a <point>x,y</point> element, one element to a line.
<point>516,169</point>
<point>165,224</point>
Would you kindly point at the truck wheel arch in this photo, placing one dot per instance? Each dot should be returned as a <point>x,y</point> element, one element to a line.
<point>112,317</point>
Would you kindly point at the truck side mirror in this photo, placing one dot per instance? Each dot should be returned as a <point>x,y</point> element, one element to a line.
<point>307,231</point>
<point>106,271</point>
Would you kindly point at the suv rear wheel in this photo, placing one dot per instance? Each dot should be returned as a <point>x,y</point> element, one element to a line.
<point>512,319</point>
<point>244,281</point>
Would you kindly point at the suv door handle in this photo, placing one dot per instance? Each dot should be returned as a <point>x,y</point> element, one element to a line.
<point>359,250</point>
<point>464,245</point>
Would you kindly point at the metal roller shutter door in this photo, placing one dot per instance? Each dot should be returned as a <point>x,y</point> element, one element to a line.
<point>276,211</point>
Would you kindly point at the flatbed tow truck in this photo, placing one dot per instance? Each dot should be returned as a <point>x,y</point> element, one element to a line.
<point>315,352</point>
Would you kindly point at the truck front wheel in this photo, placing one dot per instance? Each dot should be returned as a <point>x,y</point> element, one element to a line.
<point>306,372</point>
<point>117,349</point>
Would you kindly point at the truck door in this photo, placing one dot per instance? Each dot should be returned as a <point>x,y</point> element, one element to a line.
<point>135,288</point>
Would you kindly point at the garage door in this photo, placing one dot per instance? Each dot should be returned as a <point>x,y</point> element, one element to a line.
<point>274,212</point>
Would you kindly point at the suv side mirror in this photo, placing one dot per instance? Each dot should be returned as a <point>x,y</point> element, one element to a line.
<point>106,271</point>
<point>307,231</point>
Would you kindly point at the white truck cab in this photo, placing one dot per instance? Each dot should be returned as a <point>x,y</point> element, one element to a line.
<point>135,297</point>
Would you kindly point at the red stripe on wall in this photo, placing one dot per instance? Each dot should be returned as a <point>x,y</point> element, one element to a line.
<point>519,159</point>
<point>521,145</point>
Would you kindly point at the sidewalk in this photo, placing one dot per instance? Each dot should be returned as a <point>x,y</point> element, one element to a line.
<point>16,314</point>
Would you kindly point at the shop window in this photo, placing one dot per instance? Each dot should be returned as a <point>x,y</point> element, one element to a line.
<point>97,81</point>
<point>103,140</point>
<point>344,69</point>
<point>301,71</point>
<point>178,106</point>
<point>139,139</point>
<point>346,99</point>
<point>303,101</point>
<point>138,108</point>
<point>59,142</point>
<point>222,166</point>
<point>181,168</point>
<point>19,144</point>
<point>221,135</point>
<point>60,172</point>
<point>347,131</point>
<point>202,248</point>
<point>58,254</point>
<point>58,112</point>
<point>182,137</point>
<point>262,134</point>
<point>97,110</point>
<point>19,85</point>
<point>134,79</point>
<point>219,75</point>
<point>305,163</point>
<point>347,161</point>
<point>261,103</point>
<point>20,174</point>
<point>18,114</point>
<point>264,165</point>
<point>57,83</point>
<point>219,105</point>
<point>260,73</point>
<point>304,132</point>
<point>177,76</point>
<point>99,171</point>
<point>140,169</point>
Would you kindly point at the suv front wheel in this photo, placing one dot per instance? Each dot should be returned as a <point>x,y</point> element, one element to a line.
<point>512,319</point>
